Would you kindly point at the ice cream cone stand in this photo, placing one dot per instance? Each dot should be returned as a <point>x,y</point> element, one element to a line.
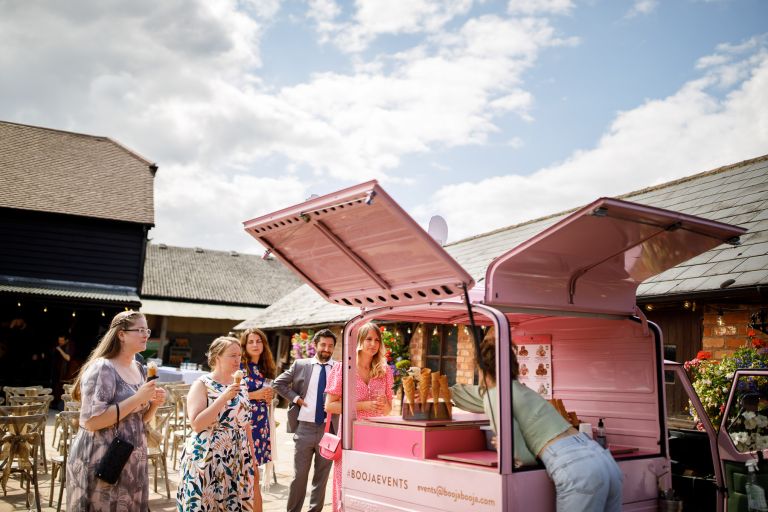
<point>567,296</point>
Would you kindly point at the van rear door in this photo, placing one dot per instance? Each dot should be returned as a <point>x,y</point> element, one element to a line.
<point>593,260</point>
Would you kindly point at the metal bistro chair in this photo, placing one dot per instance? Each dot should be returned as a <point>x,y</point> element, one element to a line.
<point>39,400</point>
<point>157,442</point>
<point>70,422</point>
<point>19,391</point>
<point>20,439</point>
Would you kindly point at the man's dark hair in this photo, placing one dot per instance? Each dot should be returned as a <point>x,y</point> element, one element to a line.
<point>324,333</point>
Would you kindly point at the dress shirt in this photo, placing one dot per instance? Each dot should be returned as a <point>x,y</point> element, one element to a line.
<point>307,413</point>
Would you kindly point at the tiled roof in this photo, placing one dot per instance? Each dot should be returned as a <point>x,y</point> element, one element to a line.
<point>123,295</point>
<point>73,174</point>
<point>734,194</point>
<point>216,277</point>
<point>302,307</point>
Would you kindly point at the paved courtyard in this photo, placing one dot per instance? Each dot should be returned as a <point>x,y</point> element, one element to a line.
<point>275,497</point>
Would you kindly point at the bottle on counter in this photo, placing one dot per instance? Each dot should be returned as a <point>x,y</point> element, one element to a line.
<point>600,434</point>
<point>755,493</point>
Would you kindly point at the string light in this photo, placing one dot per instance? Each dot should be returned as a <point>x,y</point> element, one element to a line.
<point>720,321</point>
<point>687,304</point>
<point>409,330</point>
<point>649,307</point>
<point>18,304</point>
<point>102,313</point>
<point>45,309</point>
<point>74,314</point>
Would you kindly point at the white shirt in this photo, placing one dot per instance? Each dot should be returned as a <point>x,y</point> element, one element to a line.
<point>307,413</point>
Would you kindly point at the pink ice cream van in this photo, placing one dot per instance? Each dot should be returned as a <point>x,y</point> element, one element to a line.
<point>565,299</point>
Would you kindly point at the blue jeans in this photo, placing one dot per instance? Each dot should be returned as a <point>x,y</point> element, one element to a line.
<point>586,477</point>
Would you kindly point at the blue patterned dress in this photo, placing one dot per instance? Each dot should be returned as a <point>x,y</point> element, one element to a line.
<point>259,416</point>
<point>217,470</point>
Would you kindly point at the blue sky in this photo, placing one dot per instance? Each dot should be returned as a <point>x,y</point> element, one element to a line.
<point>489,113</point>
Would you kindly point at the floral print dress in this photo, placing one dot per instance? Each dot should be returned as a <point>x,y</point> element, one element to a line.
<point>217,471</point>
<point>363,392</point>
<point>262,444</point>
<point>101,386</point>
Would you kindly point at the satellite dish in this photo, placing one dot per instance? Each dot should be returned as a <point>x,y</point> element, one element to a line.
<point>438,229</point>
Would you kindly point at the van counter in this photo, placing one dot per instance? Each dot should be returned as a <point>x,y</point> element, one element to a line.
<point>393,436</point>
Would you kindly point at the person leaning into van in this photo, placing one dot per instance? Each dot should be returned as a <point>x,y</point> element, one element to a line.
<point>585,475</point>
<point>115,399</point>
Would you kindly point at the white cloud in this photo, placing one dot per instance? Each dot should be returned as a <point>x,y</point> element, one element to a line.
<point>446,92</point>
<point>214,208</point>
<point>642,7</point>
<point>538,7</point>
<point>374,18</point>
<point>690,131</point>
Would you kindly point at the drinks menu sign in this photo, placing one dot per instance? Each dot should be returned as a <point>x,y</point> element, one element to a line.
<point>534,355</point>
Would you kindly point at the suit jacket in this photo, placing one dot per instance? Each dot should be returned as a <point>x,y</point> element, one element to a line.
<point>294,382</point>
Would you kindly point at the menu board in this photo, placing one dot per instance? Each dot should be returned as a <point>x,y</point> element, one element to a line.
<point>534,356</point>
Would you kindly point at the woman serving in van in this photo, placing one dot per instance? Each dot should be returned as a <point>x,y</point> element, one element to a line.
<point>585,475</point>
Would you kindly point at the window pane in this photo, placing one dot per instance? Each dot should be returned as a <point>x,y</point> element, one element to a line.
<point>747,419</point>
<point>433,363</point>
<point>670,353</point>
<point>434,340</point>
<point>451,342</point>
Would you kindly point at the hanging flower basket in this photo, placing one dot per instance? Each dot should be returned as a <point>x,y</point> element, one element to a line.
<point>398,355</point>
<point>302,346</point>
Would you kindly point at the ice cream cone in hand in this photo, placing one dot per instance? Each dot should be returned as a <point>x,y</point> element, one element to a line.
<point>151,371</point>
<point>238,377</point>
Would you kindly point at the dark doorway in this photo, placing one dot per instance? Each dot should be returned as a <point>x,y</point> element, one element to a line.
<point>682,331</point>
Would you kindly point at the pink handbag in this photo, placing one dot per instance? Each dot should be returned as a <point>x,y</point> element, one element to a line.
<point>330,444</point>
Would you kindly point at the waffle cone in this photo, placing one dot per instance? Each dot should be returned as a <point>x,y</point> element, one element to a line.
<point>435,390</point>
<point>445,393</point>
<point>409,387</point>
<point>424,381</point>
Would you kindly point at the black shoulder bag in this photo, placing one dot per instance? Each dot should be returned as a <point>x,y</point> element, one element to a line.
<point>111,465</point>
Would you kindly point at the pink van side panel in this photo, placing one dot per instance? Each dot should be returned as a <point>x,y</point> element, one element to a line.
<point>605,369</point>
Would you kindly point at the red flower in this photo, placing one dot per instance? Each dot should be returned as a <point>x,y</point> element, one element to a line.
<point>703,354</point>
<point>758,343</point>
<point>304,335</point>
<point>383,328</point>
<point>751,333</point>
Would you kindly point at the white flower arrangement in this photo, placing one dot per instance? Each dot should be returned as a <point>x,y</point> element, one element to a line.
<point>753,436</point>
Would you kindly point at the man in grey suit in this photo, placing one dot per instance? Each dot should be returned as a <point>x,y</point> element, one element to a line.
<point>303,385</point>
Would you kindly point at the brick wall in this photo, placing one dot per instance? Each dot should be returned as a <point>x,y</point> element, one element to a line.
<point>728,335</point>
<point>418,347</point>
<point>465,361</point>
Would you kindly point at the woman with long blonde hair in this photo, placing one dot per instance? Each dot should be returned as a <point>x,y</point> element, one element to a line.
<point>115,398</point>
<point>373,388</point>
<point>258,366</point>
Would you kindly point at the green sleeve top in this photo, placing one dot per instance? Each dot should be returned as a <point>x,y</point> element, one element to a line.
<point>523,455</point>
<point>538,421</point>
